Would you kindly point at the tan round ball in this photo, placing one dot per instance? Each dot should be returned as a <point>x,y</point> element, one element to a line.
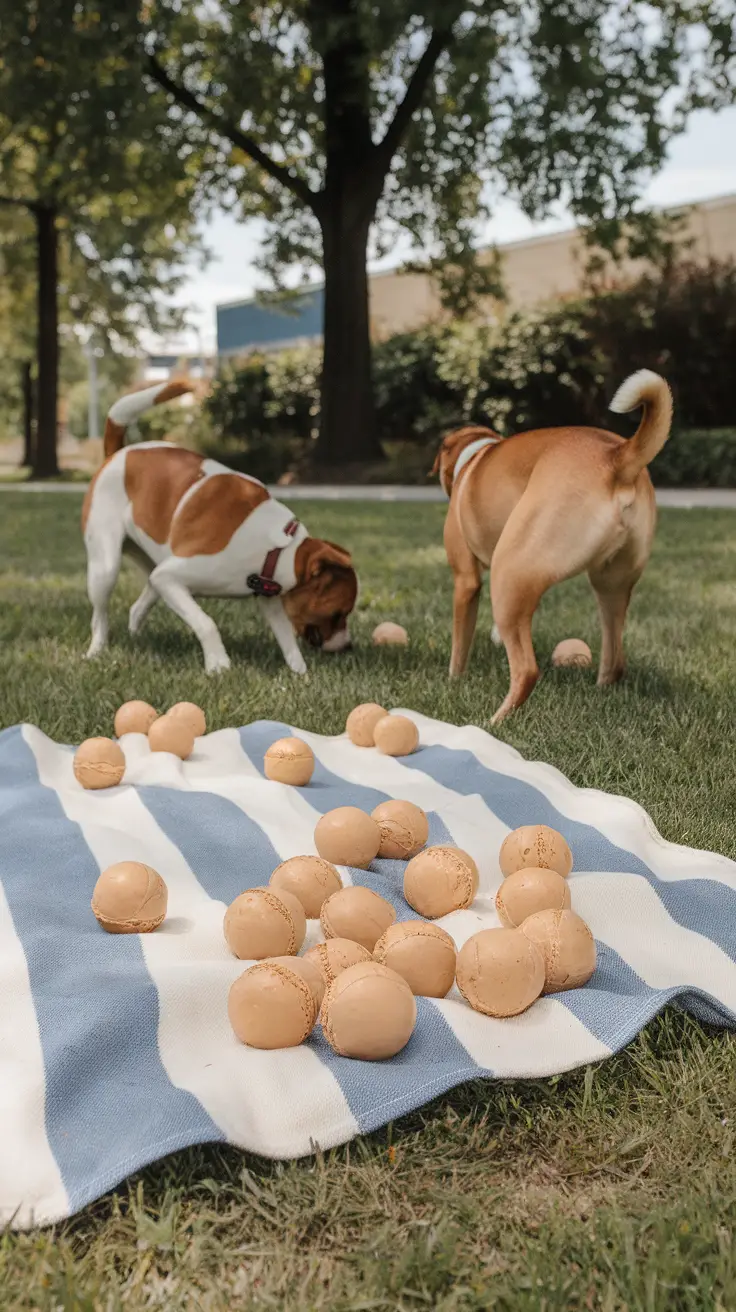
<point>573,651</point>
<point>500,972</point>
<point>261,923</point>
<point>99,763</point>
<point>271,1006</point>
<point>347,837</point>
<point>310,973</point>
<point>527,891</point>
<point>396,735</point>
<point>289,761</point>
<point>192,715</point>
<point>309,878</point>
<point>368,1013</point>
<point>404,829</point>
<point>535,846</point>
<point>134,717</point>
<point>334,956</point>
<point>424,955</point>
<point>567,945</point>
<point>357,913</point>
<point>171,735</point>
<point>362,721</point>
<point>389,634</point>
<point>130,898</point>
<point>440,880</point>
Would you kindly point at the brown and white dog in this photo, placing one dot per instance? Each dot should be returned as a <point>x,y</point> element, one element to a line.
<point>198,529</point>
<point>545,505</point>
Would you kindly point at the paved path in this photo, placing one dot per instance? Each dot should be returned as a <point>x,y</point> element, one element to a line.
<point>723,498</point>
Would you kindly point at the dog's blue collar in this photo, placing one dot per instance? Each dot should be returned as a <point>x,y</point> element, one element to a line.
<point>471,450</point>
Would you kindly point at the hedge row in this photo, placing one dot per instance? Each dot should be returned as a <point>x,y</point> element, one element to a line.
<point>558,365</point>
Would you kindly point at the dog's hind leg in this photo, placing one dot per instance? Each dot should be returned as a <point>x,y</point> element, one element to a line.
<point>103,567</point>
<point>613,591</point>
<point>466,595</point>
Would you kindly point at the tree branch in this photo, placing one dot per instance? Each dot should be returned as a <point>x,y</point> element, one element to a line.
<point>415,89</point>
<point>234,134</point>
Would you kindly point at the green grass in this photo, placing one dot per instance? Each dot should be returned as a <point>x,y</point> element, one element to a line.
<point>612,1188</point>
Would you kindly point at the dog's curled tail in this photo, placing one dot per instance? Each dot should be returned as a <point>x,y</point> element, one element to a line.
<point>646,389</point>
<point>131,406</point>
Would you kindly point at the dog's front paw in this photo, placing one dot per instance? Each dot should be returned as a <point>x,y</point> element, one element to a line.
<point>297,664</point>
<point>217,664</point>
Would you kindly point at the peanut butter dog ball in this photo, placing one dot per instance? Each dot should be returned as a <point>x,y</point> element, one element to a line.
<point>357,913</point>
<point>567,945</point>
<point>262,923</point>
<point>535,846</point>
<point>134,717</point>
<point>396,735</point>
<point>440,880</point>
<point>172,735</point>
<point>424,955</point>
<point>368,1012</point>
<point>573,651</point>
<point>500,972</point>
<point>310,878</point>
<point>271,1006</point>
<point>130,898</point>
<point>362,721</point>
<point>389,634</point>
<point>347,837</point>
<point>310,973</point>
<point>289,761</point>
<point>99,763</point>
<point>334,956</point>
<point>528,891</point>
<point>192,715</point>
<point>404,829</point>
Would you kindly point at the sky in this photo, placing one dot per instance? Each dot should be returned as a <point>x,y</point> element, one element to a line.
<point>701,164</point>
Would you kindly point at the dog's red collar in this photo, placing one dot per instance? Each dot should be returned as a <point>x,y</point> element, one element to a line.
<point>264,584</point>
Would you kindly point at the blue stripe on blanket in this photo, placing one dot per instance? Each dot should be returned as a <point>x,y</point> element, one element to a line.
<point>110,1106</point>
<point>705,906</point>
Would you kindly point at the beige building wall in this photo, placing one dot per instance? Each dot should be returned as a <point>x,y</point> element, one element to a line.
<point>542,269</point>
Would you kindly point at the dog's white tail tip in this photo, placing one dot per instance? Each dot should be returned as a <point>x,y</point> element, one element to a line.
<point>634,390</point>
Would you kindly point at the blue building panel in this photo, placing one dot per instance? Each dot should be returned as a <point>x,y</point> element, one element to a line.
<point>248,325</point>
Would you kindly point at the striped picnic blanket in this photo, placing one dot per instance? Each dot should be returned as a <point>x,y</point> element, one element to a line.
<point>117,1050</point>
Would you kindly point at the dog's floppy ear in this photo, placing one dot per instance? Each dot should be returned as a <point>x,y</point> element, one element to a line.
<point>436,466</point>
<point>315,555</point>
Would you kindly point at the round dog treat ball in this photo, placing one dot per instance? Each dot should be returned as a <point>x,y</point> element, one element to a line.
<point>357,913</point>
<point>573,651</point>
<point>440,880</point>
<point>169,734</point>
<point>500,972</point>
<point>192,715</point>
<point>262,923</point>
<point>99,763</point>
<point>310,973</point>
<point>389,634</point>
<point>424,955</point>
<point>527,891</point>
<point>368,1012</point>
<point>362,721</point>
<point>271,1005</point>
<point>404,829</point>
<point>567,945</point>
<point>130,898</point>
<point>396,735</point>
<point>134,717</point>
<point>535,846</point>
<point>347,837</point>
<point>310,878</point>
<point>289,761</point>
<point>334,956</point>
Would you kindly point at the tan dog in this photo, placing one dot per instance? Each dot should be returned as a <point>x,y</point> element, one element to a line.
<point>198,529</point>
<point>545,505</point>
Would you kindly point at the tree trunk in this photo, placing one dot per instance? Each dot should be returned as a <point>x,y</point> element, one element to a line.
<point>26,384</point>
<point>45,463</point>
<point>348,431</point>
